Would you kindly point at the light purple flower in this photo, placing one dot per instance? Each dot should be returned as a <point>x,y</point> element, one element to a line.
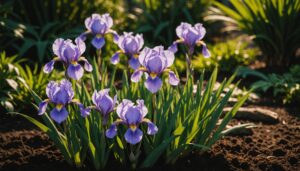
<point>70,54</point>
<point>104,103</point>
<point>190,36</point>
<point>130,45</point>
<point>155,61</point>
<point>60,94</point>
<point>98,25</point>
<point>132,116</point>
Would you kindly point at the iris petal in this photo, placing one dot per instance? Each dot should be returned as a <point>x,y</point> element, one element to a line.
<point>59,116</point>
<point>153,85</point>
<point>75,71</point>
<point>134,63</point>
<point>136,76</point>
<point>133,137</point>
<point>42,107</point>
<point>115,58</point>
<point>98,43</point>
<point>173,80</point>
<point>152,128</point>
<point>133,116</point>
<point>205,51</point>
<point>112,131</point>
<point>49,67</point>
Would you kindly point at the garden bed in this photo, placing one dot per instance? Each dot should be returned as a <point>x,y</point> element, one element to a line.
<point>266,147</point>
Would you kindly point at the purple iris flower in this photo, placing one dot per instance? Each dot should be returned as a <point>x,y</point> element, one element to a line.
<point>130,45</point>
<point>60,94</point>
<point>70,54</point>
<point>132,116</point>
<point>98,25</point>
<point>155,61</point>
<point>190,36</point>
<point>104,103</point>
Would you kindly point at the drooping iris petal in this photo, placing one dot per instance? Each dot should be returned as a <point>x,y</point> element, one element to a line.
<point>153,85</point>
<point>98,43</point>
<point>173,80</point>
<point>115,58</point>
<point>84,111</point>
<point>205,51</point>
<point>75,71</point>
<point>42,107</point>
<point>59,116</point>
<point>136,76</point>
<point>173,48</point>
<point>49,67</point>
<point>134,63</point>
<point>112,131</point>
<point>133,137</point>
<point>87,66</point>
<point>152,128</point>
<point>133,116</point>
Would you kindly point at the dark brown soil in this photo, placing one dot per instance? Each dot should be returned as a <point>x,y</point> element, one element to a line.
<point>267,147</point>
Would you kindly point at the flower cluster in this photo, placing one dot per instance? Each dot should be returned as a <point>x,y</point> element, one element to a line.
<point>151,62</point>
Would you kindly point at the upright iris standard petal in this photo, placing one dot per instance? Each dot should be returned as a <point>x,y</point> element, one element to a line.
<point>153,84</point>
<point>173,80</point>
<point>98,43</point>
<point>59,115</point>
<point>75,71</point>
<point>133,137</point>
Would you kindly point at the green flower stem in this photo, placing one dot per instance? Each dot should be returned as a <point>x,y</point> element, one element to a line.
<point>154,114</point>
<point>99,61</point>
<point>134,155</point>
<point>190,69</point>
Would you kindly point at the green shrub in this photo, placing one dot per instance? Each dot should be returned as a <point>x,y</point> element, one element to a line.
<point>285,86</point>
<point>274,25</point>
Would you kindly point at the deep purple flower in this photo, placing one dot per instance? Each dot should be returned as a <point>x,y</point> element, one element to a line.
<point>155,61</point>
<point>60,94</point>
<point>132,116</point>
<point>130,45</point>
<point>104,103</point>
<point>190,36</point>
<point>70,54</point>
<point>98,25</point>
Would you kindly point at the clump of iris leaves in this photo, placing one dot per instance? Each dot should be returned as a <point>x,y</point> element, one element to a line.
<point>188,118</point>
